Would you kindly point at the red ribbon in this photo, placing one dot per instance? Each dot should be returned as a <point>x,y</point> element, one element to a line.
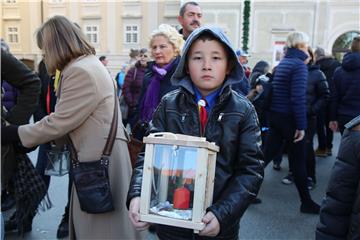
<point>203,114</point>
<point>48,100</point>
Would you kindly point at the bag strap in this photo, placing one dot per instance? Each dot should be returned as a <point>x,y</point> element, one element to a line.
<point>110,140</point>
<point>113,130</point>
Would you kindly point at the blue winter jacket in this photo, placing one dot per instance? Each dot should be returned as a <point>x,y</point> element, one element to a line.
<point>289,87</point>
<point>345,89</point>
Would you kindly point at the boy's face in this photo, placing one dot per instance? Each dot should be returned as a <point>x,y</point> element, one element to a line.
<point>207,65</point>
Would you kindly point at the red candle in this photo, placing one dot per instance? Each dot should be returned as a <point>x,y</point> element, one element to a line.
<point>182,198</point>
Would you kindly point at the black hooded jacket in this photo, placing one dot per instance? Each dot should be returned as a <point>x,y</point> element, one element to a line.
<point>345,97</point>
<point>328,66</point>
<point>318,93</point>
<point>340,209</point>
<point>232,124</point>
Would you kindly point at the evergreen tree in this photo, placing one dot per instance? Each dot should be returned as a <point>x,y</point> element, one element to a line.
<point>246,23</point>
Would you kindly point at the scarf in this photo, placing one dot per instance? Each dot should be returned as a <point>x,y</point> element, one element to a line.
<point>152,96</point>
<point>29,191</point>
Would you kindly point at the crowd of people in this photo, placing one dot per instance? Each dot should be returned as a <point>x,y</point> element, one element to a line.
<point>189,82</point>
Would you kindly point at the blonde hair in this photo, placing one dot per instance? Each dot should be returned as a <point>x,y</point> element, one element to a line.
<point>169,32</point>
<point>61,41</point>
<point>297,39</point>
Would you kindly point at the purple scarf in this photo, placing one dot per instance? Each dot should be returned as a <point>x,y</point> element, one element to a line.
<point>152,98</point>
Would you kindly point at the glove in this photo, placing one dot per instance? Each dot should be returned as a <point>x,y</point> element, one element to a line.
<point>9,134</point>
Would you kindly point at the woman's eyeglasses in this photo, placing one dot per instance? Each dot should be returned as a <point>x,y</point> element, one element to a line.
<point>145,56</point>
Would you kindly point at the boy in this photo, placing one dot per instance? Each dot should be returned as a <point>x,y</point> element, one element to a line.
<point>205,72</point>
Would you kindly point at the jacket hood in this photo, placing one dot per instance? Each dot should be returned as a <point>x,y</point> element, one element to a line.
<point>351,61</point>
<point>181,78</point>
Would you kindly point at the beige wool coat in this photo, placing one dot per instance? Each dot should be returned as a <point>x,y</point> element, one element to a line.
<point>84,110</point>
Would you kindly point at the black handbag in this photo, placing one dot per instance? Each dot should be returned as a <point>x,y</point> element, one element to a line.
<point>91,179</point>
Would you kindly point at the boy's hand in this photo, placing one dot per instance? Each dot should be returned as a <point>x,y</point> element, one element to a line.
<point>212,227</point>
<point>134,216</point>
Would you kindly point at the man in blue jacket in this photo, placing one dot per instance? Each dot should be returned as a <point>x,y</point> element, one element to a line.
<point>288,114</point>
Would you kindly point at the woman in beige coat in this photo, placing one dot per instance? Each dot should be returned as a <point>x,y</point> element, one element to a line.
<point>84,111</point>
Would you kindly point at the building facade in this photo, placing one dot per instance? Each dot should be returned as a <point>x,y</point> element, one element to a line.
<point>114,27</point>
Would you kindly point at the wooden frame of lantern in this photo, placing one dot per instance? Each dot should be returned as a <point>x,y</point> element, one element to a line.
<point>203,179</point>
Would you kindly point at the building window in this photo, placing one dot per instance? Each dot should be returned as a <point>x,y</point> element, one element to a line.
<point>57,1</point>
<point>131,34</point>
<point>13,35</point>
<point>92,33</point>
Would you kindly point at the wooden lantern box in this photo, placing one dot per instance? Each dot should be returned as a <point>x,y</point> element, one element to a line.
<point>178,180</point>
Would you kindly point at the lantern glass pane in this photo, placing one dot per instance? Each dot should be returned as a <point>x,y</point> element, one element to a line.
<point>173,181</point>
<point>58,161</point>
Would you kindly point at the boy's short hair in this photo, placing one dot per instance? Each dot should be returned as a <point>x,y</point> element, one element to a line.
<point>208,36</point>
<point>102,58</point>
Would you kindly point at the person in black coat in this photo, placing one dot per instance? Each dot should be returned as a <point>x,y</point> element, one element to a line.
<point>317,97</point>
<point>18,75</point>
<point>345,97</point>
<point>340,209</point>
<point>328,65</point>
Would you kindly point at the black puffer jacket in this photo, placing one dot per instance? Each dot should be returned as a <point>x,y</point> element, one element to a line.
<point>232,124</point>
<point>340,210</point>
<point>328,66</point>
<point>345,97</point>
<point>318,93</point>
